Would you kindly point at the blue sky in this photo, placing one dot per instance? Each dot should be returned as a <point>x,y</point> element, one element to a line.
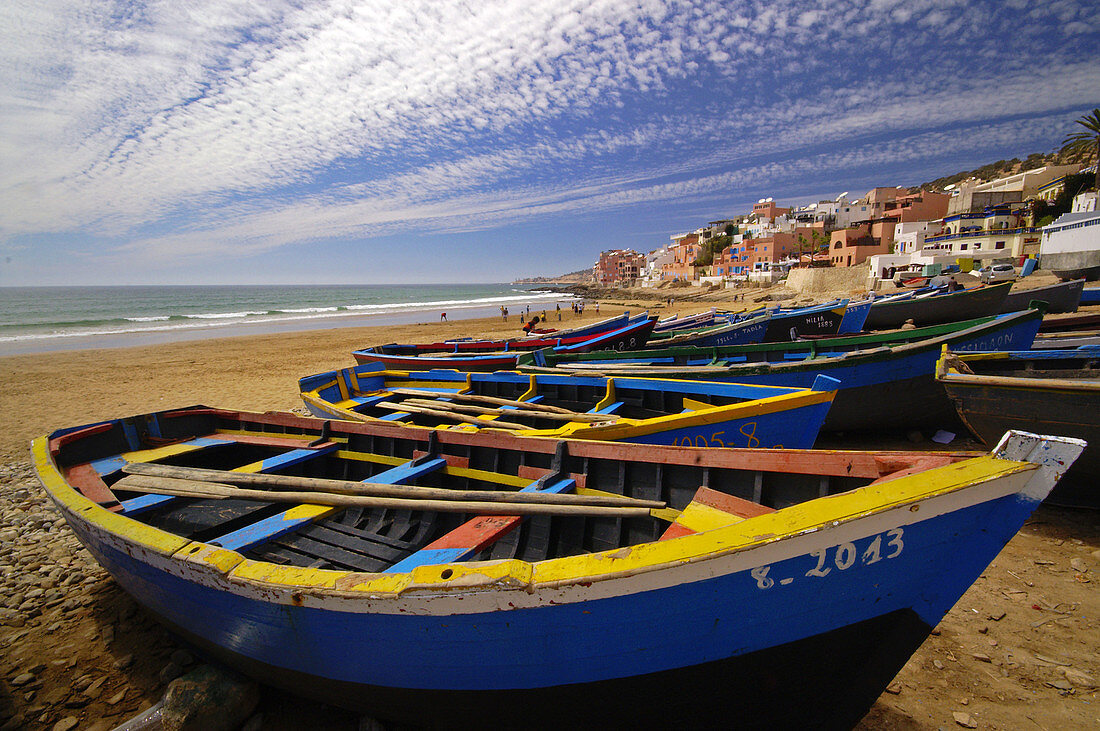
<point>228,141</point>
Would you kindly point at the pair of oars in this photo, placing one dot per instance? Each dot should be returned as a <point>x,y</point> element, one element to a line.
<point>196,482</point>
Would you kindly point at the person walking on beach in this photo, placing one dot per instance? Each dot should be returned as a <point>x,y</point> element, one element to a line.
<point>557,306</point>
<point>442,316</point>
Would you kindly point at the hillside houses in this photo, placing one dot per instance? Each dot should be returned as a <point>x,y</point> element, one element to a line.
<point>886,229</point>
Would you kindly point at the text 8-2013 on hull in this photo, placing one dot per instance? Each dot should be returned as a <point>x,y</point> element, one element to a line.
<point>298,565</point>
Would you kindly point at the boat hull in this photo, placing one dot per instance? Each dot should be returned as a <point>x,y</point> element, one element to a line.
<point>938,308</point>
<point>490,663</point>
<point>1061,297</point>
<point>791,326</point>
<point>881,388</point>
<point>991,407</point>
<point>630,337</point>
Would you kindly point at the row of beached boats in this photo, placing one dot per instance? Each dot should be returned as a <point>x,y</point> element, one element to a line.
<point>626,525</point>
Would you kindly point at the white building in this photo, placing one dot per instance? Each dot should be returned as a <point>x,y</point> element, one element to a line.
<point>655,262</point>
<point>909,236</point>
<point>1071,245</point>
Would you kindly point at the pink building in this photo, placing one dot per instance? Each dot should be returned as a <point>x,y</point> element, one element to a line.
<point>618,267</point>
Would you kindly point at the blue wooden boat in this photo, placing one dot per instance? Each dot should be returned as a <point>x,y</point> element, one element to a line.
<point>1056,390</point>
<point>883,384</point>
<point>543,339</point>
<point>1090,296</point>
<point>684,322</point>
<point>646,410</point>
<point>274,543</point>
<point>629,337</point>
<point>855,316</point>
<point>741,332</point>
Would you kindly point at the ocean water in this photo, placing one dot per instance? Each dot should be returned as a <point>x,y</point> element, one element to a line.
<point>43,319</point>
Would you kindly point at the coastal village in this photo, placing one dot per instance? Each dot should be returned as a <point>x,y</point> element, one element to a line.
<point>889,232</point>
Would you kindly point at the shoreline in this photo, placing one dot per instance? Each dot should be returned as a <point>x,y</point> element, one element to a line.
<point>58,389</point>
<point>161,335</point>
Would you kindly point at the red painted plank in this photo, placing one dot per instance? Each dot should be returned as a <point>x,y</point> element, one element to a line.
<point>84,478</point>
<point>477,533</point>
<point>453,460</point>
<point>730,503</point>
<point>59,442</point>
<point>919,465</point>
<point>528,472</point>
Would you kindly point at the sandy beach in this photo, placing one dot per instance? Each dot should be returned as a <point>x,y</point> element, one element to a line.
<point>1018,651</point>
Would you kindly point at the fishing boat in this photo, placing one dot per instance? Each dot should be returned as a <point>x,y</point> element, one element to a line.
<point>1049,390</point>
<point>886,379</point>
<point>1090,296</point>
<point>815,320</point>
<point>1060,297</point>
<point>396,570</point>
<point>678,322</point>
<point>629,337</point>
<point>1073,322</point>
<point>546,339</point>
<point>646,410</point>
<point>741,332</point>
<point>938,308</point>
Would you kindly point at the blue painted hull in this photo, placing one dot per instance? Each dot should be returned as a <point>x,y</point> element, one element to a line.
<point>921,569</point>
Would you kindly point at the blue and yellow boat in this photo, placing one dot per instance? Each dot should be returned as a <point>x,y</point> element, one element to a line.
<point>646,410</point>
<point>397,571</point>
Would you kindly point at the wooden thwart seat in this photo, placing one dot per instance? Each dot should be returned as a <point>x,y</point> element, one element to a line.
<point>712,509</point>
<point>473,535</point>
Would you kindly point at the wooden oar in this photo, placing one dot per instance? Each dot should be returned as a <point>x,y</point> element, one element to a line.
<point>552,415</point>
<point>219,491</point>
<point>440,414</point>
<point>376,489</point>
<point>473,397</point>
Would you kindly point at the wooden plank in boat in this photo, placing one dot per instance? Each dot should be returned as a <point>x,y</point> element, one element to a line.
<point>712,509</point>
<point>472,536</point>
<point>86,479</point>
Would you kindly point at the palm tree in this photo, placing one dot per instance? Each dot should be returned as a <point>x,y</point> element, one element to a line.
<point>1086,142</point>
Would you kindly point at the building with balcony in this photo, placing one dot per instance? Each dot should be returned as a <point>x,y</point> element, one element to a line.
<point>971,195</point>
<point>685,249</point>
<point>998,232</point>
<point>618,268</point>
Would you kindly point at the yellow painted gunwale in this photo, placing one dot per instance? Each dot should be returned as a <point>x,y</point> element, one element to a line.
<point>740,536</point>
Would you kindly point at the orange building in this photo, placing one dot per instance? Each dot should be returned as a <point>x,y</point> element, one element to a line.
<point>685,250</point>
<point>767,209</point>
<point>875,235</point>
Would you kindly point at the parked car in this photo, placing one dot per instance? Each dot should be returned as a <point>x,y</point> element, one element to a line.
<point>997,273</point>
